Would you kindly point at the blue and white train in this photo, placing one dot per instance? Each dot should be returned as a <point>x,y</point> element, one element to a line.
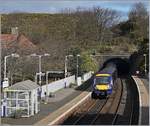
<point>104,81</point>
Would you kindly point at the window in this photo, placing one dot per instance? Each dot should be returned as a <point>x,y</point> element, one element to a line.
<point>102,80</point>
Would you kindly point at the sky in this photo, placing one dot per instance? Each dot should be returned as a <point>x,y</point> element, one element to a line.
<point>55,6</point>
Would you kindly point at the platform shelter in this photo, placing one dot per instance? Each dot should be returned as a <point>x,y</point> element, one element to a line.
<point>22,96</point>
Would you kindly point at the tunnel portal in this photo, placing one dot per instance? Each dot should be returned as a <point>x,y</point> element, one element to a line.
<point>123,66</point>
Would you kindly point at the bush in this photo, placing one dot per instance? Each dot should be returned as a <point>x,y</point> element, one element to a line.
<point>87,63</point>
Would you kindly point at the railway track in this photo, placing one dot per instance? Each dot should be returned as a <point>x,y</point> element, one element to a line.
<point>90,112</point>
<point>110,111</point>
<point>130,115</point>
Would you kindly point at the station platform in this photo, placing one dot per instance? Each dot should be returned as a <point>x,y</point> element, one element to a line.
<point>146,83</point>
<point>61,98</point>
<point>143,89</point>
<point>63,112</point>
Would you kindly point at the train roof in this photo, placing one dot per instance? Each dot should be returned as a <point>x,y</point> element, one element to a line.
<point>110,69</point>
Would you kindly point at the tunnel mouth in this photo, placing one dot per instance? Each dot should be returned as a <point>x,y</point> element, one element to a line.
<point>123,66</point>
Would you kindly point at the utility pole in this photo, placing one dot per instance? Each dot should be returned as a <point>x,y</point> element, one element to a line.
<point>65,66</point>
<point>0,45</point>
<point>77,66</point>
<point>40,72</point>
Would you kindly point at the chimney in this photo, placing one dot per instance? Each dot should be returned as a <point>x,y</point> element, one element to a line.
<point>14,31</point>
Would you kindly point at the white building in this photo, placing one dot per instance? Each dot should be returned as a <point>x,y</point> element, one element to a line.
<point>22,96</point>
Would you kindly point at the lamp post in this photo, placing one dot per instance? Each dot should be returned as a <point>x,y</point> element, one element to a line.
<point>5,67</point>
<point>66,59</point>
<point>145,63</point>
<point>77,66</point>
<point>40,65</point>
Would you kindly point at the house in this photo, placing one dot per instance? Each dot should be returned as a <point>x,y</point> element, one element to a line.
<point>16,43</point>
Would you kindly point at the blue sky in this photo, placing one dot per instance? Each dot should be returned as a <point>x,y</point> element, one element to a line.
<point>54,6</point>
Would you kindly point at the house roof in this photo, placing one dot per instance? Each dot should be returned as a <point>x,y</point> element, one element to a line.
<point>25,42</point>
<point>8,37</point>
<point>23,85</point>
<point>20,41</point>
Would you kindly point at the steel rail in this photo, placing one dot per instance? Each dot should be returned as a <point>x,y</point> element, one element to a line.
<point>90,108</point>
<point>85,113</point>
<point>117,110</point>
<point>99,112</point>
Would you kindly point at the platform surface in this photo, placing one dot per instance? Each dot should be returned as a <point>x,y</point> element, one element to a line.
<point>143,87</point>
<point>60,113</point>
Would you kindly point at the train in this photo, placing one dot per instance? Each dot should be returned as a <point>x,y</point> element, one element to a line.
<point>104,81</point>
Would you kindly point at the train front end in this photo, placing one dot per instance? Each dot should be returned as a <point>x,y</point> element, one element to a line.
<point>102,85</point>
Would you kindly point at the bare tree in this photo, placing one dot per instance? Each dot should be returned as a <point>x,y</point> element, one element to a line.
<point>105,19</point>
<point>138,17</point>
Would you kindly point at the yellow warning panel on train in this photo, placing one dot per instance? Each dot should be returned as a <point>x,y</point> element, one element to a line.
<point>102,87</point>
<point>102,75</point>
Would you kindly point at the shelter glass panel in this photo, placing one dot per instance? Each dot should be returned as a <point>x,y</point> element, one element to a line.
<point>11,103</point>
<point>22,95</point>
<point>22,103</point>
<point>24,112</point>
<point>11,94</point>
<point>10,111</point>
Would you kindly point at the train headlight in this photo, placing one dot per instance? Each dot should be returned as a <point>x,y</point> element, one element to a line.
<point>95,87</point>
<point>109,87</point>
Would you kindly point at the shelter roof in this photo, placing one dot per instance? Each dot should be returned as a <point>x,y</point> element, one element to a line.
<point>24,85</point>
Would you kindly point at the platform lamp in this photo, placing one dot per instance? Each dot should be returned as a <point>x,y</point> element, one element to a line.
<point>77,66</point>
<point>40,65</point>
<point>66,59</point>
<point>5,82</point>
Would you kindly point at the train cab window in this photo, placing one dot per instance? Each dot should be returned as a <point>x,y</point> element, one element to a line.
<point>102,80</point>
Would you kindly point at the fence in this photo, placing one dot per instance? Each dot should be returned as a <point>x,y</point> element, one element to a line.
<point>56,85</point>
<point>86,76</point>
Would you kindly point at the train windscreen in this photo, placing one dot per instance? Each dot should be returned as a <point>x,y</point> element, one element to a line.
<point>102,80</point>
